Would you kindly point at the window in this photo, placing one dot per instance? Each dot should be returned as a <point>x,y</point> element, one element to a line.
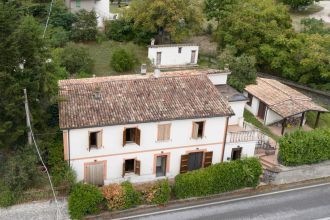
<point>180,49</point>
<point>236,153</point>
<point>131,135</point>
<point>196,160</point>
<point>131,166</point>
<point>95,139</point>
<point>77,3</point>
<point>250,99</point>
<point>164,132</point>
<point>198,129</point>
<point>161,166</point>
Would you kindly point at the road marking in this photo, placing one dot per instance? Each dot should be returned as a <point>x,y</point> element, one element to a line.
<point>223,202</point>
<point>327,218</point>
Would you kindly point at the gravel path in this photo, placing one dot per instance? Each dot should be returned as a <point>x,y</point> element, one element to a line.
<point>323,14</point>
<point>45,210</point>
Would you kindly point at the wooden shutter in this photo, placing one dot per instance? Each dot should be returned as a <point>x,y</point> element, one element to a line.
<point>167,134</point>
<point>99,139</point>
<point>137,136</point>
<point>164,132</point>
<point>160,135</point>
<point>124,137</point>
<point>94,173</point>
<point>208,159</point>
<point>194,130</point>
<point>137,167</point>
<point>184,163</point>
<point>123,173</point>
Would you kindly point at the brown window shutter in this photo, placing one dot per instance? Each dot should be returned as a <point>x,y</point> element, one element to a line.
<point>160,135</point>
<point>167,135</point>
<point>124,137</point>
<point>123,174</point>
<point>99,139</point>
<point>194,130</point>
<point>137,136</point>
<point>137,167</point>
<point>208,159</point>
<point>184,163</point>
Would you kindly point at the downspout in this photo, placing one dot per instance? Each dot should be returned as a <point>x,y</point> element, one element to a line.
<point>224,139</point>
<point>69,145</point>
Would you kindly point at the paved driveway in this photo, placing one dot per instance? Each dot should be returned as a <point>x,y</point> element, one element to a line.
<point>324,14</point>
<point>45,210</point>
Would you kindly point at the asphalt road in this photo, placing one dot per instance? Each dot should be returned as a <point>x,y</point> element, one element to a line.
<point>311,202</point>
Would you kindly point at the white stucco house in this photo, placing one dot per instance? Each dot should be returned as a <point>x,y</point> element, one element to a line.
<point>101,8</point>
<point>275,103</point>
<point>173,55</point>
<point>147,127</point>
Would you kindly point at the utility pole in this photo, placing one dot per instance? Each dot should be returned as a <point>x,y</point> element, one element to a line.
<point>27,112</point>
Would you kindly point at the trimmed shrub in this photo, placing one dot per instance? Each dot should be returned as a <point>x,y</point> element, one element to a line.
<point>121,196</point>
<point>301,147</point>
<point>218,178</point>
<point>84,199</point>
<point>123,60</point>
<point>76,59</point>
<point>156,193</point>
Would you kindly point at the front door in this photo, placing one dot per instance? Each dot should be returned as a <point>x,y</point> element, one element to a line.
<point>159,58</point>
<point>195,161</point>
<point>261,110</point>
<point>161,166</point>
<point>94,173</point>
<point>236,153</point>
<point>193,56</point>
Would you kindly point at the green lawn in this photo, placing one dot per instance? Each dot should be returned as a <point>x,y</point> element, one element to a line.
<point>101,54</point>
<point>249,117</point>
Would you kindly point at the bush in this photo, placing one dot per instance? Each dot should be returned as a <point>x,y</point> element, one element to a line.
<point>156,193</point>
<point>119,30</point>
<point>85,27</point>
<point>7,197</point>
<point>76,59</point>
<point>123,60</point>
<point>57,37</point>
<point>121,196</point>
<point>301,147</point>
<point>84,199</point>
<point>218,178</point>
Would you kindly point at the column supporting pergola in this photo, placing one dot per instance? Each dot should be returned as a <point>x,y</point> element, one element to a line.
<point>283,126</point>
<point>302,119</point>
<point>317,119</point>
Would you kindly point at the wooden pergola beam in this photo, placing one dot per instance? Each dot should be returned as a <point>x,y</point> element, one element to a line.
<point>317,119</point>
<point>283,126</point>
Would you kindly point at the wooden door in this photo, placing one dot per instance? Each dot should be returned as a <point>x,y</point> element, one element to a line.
<point>94,173</point>
<point>161,166</point>
<point>261,110</point>
<point>193,56</point>
<point>159,58</point>
<point>195,161</point>
<point>236,153</point>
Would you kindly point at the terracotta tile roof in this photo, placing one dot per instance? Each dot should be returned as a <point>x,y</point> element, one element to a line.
<point>281,98</point>
<point>129,99</point>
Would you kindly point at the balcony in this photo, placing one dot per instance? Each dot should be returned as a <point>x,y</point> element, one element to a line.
<point>246,133</point>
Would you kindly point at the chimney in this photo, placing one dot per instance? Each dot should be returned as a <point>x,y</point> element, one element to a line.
<point>97,93</point>
<point>226,66</point>
<point>143,69</point>
<point>157,72</point>
<point>152,41</point>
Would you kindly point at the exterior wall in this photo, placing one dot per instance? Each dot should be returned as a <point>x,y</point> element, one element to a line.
<point>101,7</point>
<point>218,79</point>
<point>238,108</point>
<point>114,153</point>
<point>171,56</point>
<point>248,149</point>
<point>254,106</point>
<point>272,117</point>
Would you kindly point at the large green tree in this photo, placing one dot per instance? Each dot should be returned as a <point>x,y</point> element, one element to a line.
<point>176,19</point>
<point>218,9</point>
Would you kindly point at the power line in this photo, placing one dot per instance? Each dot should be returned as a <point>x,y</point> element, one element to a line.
<point>38,151</point>
<point>48,17</point>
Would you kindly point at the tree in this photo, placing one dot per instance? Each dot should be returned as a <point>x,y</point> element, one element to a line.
<point>123,60</point>
<point>85,28</point>
<point>217,9</point>
<point>296,4</point>
<point>175,19</point>
<point>243,68</point>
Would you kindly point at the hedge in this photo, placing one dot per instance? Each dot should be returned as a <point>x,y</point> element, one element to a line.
<point>84,199</point>
<point>301,147</point>
<point>156,193</point>
<point>218,178</point>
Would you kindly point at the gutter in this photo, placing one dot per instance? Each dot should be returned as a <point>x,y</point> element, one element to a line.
<point>224,139</point>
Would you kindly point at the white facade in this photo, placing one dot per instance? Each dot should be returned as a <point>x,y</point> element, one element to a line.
<point>238,108</point>
<point>101,8</point>
<point>248,149</point>
<point>219,78</point>
<point>114,153</point>
<point>173,55</point>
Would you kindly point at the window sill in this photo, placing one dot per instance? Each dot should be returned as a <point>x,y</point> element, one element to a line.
<point>94,148</point>
<point>200,138</point>
<point>131,144</point>
<point>164,141</point>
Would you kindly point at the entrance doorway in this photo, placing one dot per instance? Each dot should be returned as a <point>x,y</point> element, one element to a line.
<point>159,58</point>
<point>261,110</point>
<point>236,153</point>
<point>193,56</point>
<point>195,161</point>
<point>161,166</point>
<point>94,173</point>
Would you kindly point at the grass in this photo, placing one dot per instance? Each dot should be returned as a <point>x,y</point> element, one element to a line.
<point>324,119</point>
<point>101,54</point>
<point>297,16</point>
<point>249,117</point>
